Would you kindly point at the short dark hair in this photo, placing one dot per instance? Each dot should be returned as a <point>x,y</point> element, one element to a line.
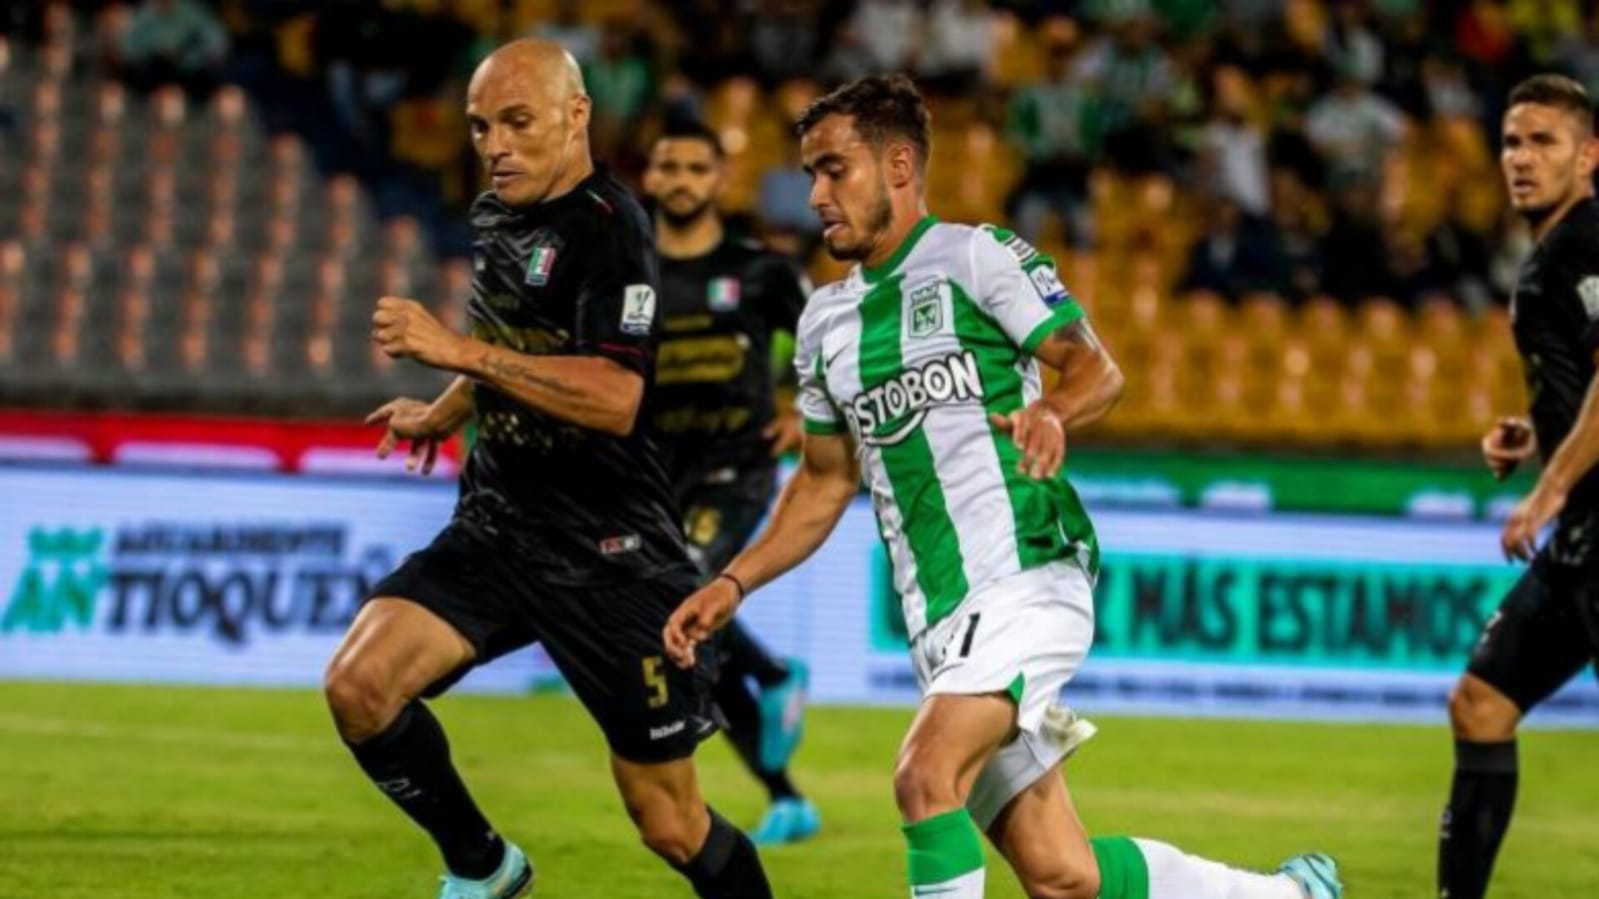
<point>1559,92</point>
<point>683,128</point>
<point>884,107</point>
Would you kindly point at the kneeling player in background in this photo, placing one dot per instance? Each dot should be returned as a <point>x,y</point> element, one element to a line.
<point>722,301</point>
<point>1547,628</point>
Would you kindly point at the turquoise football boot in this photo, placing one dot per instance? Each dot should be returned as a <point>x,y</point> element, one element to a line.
<point>1316,874</point>
<point>787,821</point>
<point>782,708</point>
<point>514,878</point>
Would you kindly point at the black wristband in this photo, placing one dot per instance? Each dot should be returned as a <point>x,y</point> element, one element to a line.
<point>742,592</point>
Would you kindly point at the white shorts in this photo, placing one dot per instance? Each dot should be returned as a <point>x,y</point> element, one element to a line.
<point>1026,636</point>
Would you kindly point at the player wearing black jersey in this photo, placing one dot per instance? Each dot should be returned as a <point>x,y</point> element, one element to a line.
<point>1547,628</point>
<point>565,532</point>
<point>722,301</point>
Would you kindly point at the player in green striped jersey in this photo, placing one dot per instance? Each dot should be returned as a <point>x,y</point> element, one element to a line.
<point>919,376</point>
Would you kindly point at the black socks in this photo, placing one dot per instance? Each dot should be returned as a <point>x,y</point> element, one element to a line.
<point>728,866</point>
<point>410,762</point>
<point>743,729</point>
<point>745,656</point>
<point>1476,818</point>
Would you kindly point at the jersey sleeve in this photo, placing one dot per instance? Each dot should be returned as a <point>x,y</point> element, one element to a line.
<point>811,398</point>
<point>1579,283</point>
<point>616,306</point>
<point>1019,287</point>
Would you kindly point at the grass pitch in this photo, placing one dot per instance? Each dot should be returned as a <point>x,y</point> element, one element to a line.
<point>158,793</point>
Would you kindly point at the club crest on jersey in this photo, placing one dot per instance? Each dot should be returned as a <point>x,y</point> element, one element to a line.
<point>722,294</point>
<point>927,310</point>
<point>893,410</point>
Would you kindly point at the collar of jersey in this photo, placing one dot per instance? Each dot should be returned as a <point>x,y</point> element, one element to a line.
<point>876,273</point>
<point>490,210</point>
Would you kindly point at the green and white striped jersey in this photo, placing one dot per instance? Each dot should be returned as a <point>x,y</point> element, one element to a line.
<point>911,357</point>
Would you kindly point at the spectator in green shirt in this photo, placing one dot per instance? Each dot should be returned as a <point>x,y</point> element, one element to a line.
<point>173,42</point>
<point>1058,125</point>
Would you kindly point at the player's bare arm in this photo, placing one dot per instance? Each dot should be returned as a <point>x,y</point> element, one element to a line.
<point>589,391</point>
<point>1089,384</point>
<point>1574,458</point>
<point>786,432</point>
<point>425,424</point>
<point>1511,442</point>
<point>808,509</point>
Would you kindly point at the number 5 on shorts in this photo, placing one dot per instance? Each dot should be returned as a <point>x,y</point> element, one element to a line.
<point>655,679</point>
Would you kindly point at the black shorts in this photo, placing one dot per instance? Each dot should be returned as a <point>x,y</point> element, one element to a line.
<point>721,509</point>
<point>605,641</point>
<point>1545,632</point>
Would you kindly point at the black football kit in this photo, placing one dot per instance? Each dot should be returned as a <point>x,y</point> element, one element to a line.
<point>564,535</point>
<point>1547,629</point>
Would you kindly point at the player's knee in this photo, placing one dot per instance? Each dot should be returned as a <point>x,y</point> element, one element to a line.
<point>361,703</point>
<point>923,786</point>
<point>670,836</point>
<point>1047,871</point>
<point>1477,713</point>
<point>1063,884</point>
<point>670,825</point>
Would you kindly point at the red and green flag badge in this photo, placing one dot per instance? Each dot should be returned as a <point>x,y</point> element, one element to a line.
<point>539,267</point>
<point>722,294</point>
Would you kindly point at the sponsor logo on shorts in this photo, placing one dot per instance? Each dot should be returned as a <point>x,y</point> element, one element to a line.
<point>667,730</point>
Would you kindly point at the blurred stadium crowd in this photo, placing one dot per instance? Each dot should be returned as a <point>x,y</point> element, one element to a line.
<point>1285,215</point>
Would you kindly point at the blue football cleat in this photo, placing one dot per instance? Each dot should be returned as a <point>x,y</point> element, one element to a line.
<point>514,878</point>
<point>787,821</point>
<point>783,716</point>
<point>1316,874</point>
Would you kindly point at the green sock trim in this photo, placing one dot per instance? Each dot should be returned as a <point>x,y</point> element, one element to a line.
<point>1123,873</point>
<point>943,847</point>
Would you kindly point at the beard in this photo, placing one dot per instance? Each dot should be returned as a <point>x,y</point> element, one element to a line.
<point>1537,215</point>
<point>877,221</point>
<point>682,218</point>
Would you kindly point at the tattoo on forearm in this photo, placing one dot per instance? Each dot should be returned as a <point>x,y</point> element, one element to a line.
<point>513,372</point>
<point>1077,332</point>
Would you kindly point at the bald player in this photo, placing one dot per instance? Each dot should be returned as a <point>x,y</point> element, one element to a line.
<point>565,532</point>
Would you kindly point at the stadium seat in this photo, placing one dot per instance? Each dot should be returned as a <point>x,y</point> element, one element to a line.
<point>402,239</point>
<point>13,261</point>
<point>1205,318</point>
<point>10,315</point>
<point>228,109</point>
<point>1226,405</point>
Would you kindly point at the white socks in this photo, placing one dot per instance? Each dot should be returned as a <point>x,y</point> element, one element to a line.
<point>1173,874</point>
